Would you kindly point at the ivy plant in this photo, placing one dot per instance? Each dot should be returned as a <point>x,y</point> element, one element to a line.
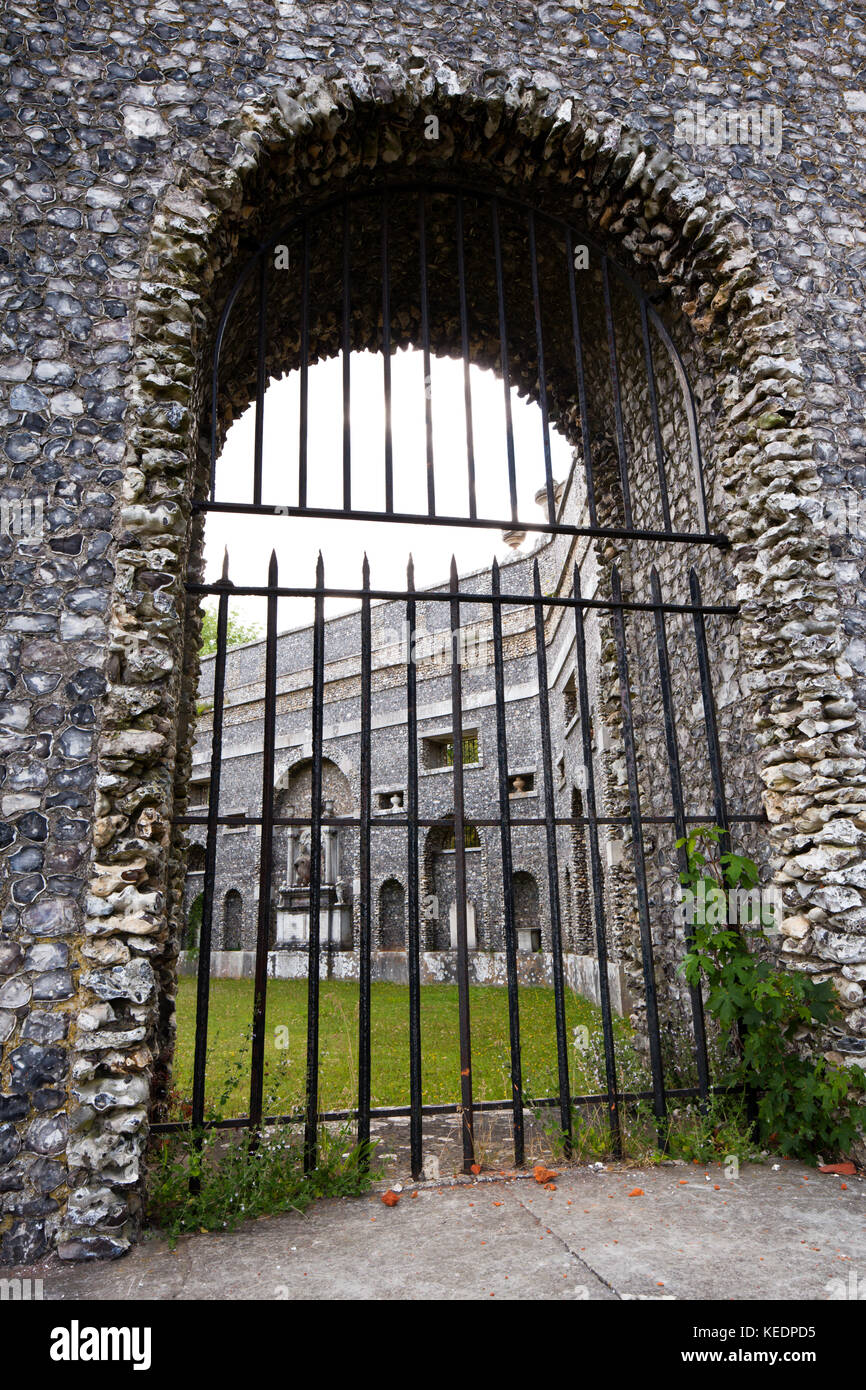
<point>806,1106</point>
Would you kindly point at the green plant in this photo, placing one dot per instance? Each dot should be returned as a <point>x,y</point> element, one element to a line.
<point>242,1175</point>
<point>237,632</point>
<point>806,1105</point>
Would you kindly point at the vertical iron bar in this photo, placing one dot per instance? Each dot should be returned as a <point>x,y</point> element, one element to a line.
<point>305,368</point>
<point>542,381</point>
<point>617,396</point>
<point>386,356</point>
<point>425,345</point>
<point>206,932</point>
<point>597,879</point>
<point>464,338</point>
<point>261,380</point>
<point>658,1087</point>
<point>503,359</point>
<point>552,863</point>
<point>460,882</point>
<point>654,412</point>
<point>581,380</point>
<point>710,722</point>
<point>364,874</point>
<point>507,875</point>
<point>347,368</point>
<point>679,809</point>
<point>266,853</point>
<point>318,696</point>
<point>414,942</point>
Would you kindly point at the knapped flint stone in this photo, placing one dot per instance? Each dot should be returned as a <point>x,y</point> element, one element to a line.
<point>10,1144</point>
<point>48,1135</point>
<point>7,1024</point>
<point>11,956</point>
<point>33,1065</point>
<point>101,1247</point>
<point>53,984</point>
<point>12,1108</point>
<point>47,1099</point>
<point>45,1028</point>
<point>33,826</point>
<point>46,1174</point>
<point>51,917</point>
<point>47,955</point>
<point>30,1206</point>
<point>26,860</point>
<point>16,992</point>
<point>24,1243</point>
<point>26,890</point>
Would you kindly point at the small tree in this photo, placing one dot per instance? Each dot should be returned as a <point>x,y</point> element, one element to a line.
<point>237,632</point>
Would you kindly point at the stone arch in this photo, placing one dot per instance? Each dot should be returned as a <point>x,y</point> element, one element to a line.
<point>649,208</point>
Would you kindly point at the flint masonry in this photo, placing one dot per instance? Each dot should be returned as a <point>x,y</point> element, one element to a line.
<point>143,149</point>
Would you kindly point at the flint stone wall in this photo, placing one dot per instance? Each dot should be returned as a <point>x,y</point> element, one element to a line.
<point>140,147</point>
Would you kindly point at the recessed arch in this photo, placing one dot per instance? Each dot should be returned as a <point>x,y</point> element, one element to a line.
<point>654,216</point>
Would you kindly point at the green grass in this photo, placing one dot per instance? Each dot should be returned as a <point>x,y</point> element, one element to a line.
<point>229,1032</point>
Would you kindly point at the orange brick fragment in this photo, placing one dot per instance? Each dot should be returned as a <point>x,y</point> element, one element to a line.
<point>390,1198</point>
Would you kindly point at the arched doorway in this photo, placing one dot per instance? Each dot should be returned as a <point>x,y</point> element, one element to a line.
<point>609,458</point>
<point>392,910</point>
<point>233,914</point>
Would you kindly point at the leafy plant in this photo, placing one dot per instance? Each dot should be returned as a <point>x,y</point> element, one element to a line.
<point>806,1105</point>
<point>242,1175</point>
<point>237,632</point>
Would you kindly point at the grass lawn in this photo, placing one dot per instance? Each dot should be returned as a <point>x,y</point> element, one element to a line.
<point>229,1028</point>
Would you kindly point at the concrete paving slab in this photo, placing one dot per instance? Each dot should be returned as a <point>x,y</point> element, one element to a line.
<point>782,1232</point>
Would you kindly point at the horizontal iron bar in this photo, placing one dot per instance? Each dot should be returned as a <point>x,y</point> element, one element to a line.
<point>558,528</point>
<point>427,596</point>
<point>388,822</point>
<point>399,1111</point>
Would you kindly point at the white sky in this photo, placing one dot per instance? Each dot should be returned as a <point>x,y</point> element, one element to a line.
<point>297,540</point>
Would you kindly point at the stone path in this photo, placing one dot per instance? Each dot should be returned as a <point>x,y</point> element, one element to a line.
<point>780,1232</point>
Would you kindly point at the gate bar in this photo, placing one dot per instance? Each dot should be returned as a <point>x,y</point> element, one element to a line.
<point>464,340</point>
<point>723,610</point>
<point>542,382</point>
<point>503,361</point>
<point>552,865</point>
<point>261,381</point>
<point>597,878</point>
<point>659,1104</point>
<point>679,820</point>
<point>206,932</point>
<point>318,713</point>
<point>581,381</point>
<point>347,367</point>
<point>507,878</point>
<point>460,884</point>
<point>364,943</point>
<point>266,857</point>
<point>386,356</point>
<point>303,413</point>
<point>563,528</point>
<point>425,347</point>
<point>414,942</point>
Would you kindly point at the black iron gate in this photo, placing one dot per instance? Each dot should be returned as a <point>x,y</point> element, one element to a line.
<point>544,331</point>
